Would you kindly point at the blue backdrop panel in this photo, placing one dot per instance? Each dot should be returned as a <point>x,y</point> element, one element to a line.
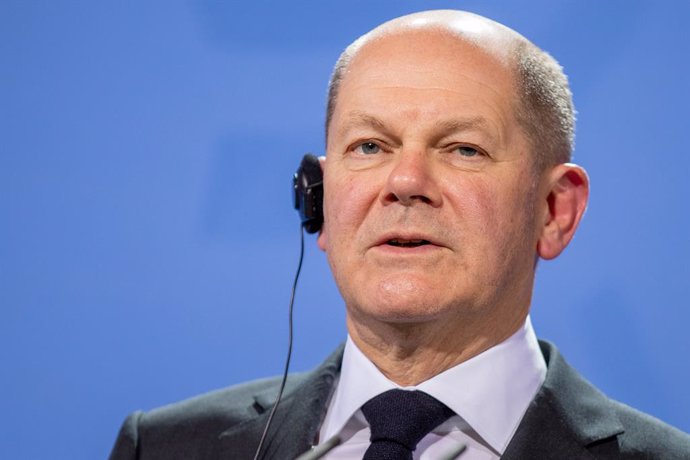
<point>147,240</point>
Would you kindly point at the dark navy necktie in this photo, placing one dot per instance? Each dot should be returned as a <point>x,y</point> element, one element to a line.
<point>399,419</point>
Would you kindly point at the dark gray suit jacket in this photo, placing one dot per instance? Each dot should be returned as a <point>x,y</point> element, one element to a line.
<point>568,419</point>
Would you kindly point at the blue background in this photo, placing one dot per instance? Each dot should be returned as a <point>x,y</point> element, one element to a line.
<point>147,240</point>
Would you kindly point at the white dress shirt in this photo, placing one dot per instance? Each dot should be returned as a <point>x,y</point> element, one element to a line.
<point>489,394</point>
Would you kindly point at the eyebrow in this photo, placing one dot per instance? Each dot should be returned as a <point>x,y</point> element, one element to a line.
<point>477,123</point>
<point>357,118</point>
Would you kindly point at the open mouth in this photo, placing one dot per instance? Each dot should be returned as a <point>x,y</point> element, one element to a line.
<point>400,243</point>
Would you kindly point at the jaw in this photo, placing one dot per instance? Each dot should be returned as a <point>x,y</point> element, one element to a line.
<point>409,349</point>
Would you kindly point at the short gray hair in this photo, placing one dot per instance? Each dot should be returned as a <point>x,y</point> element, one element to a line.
<point>545,105</point>
<point>334,84</point>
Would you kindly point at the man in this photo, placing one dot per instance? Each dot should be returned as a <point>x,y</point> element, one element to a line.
<point>446,178</point>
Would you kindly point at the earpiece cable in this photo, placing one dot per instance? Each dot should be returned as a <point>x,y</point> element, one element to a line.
<point>289,353</point>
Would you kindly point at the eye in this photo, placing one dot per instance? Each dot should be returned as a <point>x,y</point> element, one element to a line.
<point>467,151</point>
<point>368,148</point>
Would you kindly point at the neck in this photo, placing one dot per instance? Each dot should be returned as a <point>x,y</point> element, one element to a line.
<point>411,353</point>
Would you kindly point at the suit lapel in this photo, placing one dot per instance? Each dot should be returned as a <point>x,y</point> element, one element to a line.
<point>296,421</point>
<point>567,416</point>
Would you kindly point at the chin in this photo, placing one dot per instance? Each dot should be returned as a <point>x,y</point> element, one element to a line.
<point>404,301</point>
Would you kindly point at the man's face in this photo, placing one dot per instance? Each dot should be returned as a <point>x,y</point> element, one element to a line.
<point>430,190</point>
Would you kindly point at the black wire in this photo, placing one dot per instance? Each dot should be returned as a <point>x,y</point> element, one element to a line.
<point>289,353</point>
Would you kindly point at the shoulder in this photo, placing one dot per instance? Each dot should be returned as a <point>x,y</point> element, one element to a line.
<point>224,406</point>
<point>647,434</point>
<point>228,423</point>
<point>219,409</point>
<point>604,426</point>
<point>186,429</point>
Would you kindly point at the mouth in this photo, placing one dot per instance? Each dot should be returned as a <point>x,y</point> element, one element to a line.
<point>407,239</point>
<point>403,243</point>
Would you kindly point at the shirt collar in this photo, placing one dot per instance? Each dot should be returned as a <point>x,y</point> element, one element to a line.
<point>490,391</point>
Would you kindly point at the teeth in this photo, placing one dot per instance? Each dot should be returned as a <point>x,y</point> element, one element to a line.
<point>406,243</point>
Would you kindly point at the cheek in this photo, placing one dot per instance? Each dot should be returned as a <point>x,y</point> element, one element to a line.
<point>514,219</point>
<point>494,214</point>
<point>476,205</point>
<point>345,206</point>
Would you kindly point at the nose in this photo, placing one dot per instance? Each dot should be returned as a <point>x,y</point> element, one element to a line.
<point>412,180</point>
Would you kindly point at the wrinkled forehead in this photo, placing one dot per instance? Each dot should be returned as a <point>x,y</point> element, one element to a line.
<point>433,54</point>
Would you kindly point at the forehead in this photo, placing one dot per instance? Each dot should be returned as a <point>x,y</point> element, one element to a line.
<point>423,55</point>
<point>436,41</point>
<point>429,72</point>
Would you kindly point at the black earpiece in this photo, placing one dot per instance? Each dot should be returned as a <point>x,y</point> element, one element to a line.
<point>308,193</point>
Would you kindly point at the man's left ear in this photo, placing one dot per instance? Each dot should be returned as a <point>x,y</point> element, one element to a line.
<point>567,191</point>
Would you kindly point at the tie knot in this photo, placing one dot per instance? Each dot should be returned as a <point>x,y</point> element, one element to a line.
<point>404,417</point>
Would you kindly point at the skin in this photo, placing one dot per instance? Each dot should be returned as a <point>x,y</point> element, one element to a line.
<point>424,145</point>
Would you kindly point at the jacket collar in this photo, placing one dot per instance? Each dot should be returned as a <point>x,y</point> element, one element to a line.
<point>567,415</point>
<point>297,418</point>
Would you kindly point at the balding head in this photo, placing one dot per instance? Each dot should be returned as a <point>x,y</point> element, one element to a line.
<point>543,101</point>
